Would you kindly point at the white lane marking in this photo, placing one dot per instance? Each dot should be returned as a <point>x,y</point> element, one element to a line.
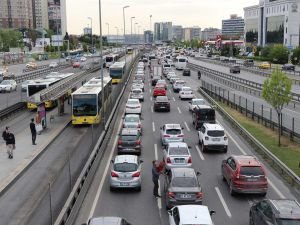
<point>150,90</point>
<point>170,91</point>
<point>151,109</point>
<point>234,141</point>
<point>223,202</point>
<point>174,99</point>
<point>187,127</point>
<point>151,99</point>
<point>155,151</point>
<point>153,127</point>
<point>199,152</point>
<point>276,189</point>
<point>179,110</point>
<point>104,175</point>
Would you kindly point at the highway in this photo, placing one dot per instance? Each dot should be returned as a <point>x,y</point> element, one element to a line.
<point>142,208</point>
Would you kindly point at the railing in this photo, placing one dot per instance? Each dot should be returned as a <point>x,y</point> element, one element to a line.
<point>276,163</point>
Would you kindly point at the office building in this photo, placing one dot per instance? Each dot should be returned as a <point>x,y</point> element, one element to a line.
<point>192,33</point>
<point>40,14</point>
<point>57,16</point>
<point>233,28</point>
<point>16,14</point>
<point>177,32</point>
<point>163,32</point>
<point>210,34</point>
<point>148,37</point>
<point>273,22</point>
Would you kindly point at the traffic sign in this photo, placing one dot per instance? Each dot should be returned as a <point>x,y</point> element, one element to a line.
<point>290,47</point>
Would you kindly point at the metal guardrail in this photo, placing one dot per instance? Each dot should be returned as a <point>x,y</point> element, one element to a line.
<point>73,204</point>
<point>11,109</point>
<point>253,69</point>
<point>295,96</point>
<point>284,171</point>
<point>37,68</point>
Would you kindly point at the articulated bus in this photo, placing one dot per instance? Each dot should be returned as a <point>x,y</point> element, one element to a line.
<point>116,72</point>
<point>129,50</point>
<point>111,59</point>
<point>87,101</point>
<point>42,83</point>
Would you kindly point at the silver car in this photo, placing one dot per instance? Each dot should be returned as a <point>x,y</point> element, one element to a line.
<point>126,172</point>
<point>132,121</point>
<point>177,154</point>
<point>137,93</point>
<point>171,133</point>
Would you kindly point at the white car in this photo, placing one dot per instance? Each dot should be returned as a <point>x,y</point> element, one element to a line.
<point>133,106</point>
<point>177,85</point>
<point>8,86</point>
<point>177,154</point>
<point>195,102</point>
<point>171,73</point>
<point>137,93</point>
<point>190,214</point>
<point>24,85</point>
<point>82,59</point>
<point>171,133</point>
<point>170,61</point>
<point>186,93</point>
<point>213,137</point>
<point>53,65</point>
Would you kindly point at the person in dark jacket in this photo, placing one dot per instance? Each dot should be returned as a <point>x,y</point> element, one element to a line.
<point>199,75</point>
<point>33,131</point>
<point>5,133</point>
<point>155,178</point>
<point>10,144</point>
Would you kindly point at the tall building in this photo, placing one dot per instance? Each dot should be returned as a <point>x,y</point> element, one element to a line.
<point>233,27</point>
<point>210,33</point>
<point>191,33</point>
<point>148,37</point>
<point>40,14</point>
<point>16,14</point>
<point>177,32</point>
<point>57,16</point>
<point>163,31</point>
<point>273,22</point>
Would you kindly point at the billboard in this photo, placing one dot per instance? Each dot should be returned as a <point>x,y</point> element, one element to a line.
<point>57,40</point>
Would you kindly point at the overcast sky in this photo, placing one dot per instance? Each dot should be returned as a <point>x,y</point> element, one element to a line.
<point>202,13</point>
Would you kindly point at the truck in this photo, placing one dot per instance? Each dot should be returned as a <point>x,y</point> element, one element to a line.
<point>203,114</point>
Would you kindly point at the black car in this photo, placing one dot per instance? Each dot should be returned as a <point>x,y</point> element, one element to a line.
<point>277,212</point>
<point>288,67</point>
<point>186,72</point>
<point>129,141</point>
<point>235,69</point>
<point>161,103</point>
<point>155,79</point>
<point>248,62</point>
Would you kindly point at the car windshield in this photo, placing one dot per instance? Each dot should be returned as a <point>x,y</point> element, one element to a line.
<point>125,167</point>
<point>215,133</point>
<point>179,82</point>
<point>184,182</point>
<point>186,89</point>
<point>161,98</point>
<point>132,102</point>
<point>131,119</point>
<point>136,91</point>
<point>173,131</point>
<point>178,151</point>
<point>181,60</point>
<point>199,102</point>
<point>288,221</point>
<point>251,171</point>
<point>129,137</point>
<point>5,82</point>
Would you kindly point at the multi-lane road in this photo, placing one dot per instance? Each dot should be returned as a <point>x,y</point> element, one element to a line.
<point>142,208</point>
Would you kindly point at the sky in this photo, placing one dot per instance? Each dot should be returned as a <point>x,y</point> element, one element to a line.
<point>188,13</point>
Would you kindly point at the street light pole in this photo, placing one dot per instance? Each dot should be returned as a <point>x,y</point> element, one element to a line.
<point>90,18</point>
<point>150,22</point>
<point>107,32</point>
<point>101,60</point>
<point>127,6</point>
<point>133,17</point>
<point>117,29</point>
<point>135,31</point>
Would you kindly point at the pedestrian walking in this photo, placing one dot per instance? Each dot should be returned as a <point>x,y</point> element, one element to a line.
<point>155,178</point>
<point>10,144</point>
<point>199,75</point>
<point>33,131</point>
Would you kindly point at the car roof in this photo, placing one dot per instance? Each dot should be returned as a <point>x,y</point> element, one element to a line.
<point>129,131</point>
<point>213,126</point>
<point>183,172</point>
<point>105,221</point>
<point>177,144</point>
<point>132,115</point>
<point>126,158</point>
<point>136,89</point>
<point>203,107</point>
<point>247,160</point>
<point>173,126</point>
<point>133,100</point>
<point>194,214</point>
<point>286,208</point>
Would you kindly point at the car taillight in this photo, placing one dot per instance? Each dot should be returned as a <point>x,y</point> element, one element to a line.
<point>199,194</point>
<point>139,125</point>
<point>190,160</point>
<point>225,138</point>
<point>171,194</point>
<point>206,138</point>
<point>180,135</point>
<point>166,135</point>
<point>138,142</point>
<point>119,142</point>
<point>168,160</point>
<point>113,174</point>
<point>137,174</point>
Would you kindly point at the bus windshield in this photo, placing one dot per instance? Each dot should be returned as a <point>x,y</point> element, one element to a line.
<point>85,105</point>
<point>116,73</point>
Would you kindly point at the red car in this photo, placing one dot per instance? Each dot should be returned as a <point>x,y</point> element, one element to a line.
<point>244,174</point>
<point>76,65</point>
<point>159,90</point>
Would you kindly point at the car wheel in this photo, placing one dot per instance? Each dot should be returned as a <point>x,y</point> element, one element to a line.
<point>203,148</point>
<point>138,189</point>
<point>223,178</point>
<point>251,221</point>
<point>111,189</point>
<point>231,191</point>
<point>225,149</point>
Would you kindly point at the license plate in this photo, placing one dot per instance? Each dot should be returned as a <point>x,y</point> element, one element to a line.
<point>251,179</point>
<point>124,184</point>
<point>215,139</point>
<point>179,160</point>
<point>185,196</point>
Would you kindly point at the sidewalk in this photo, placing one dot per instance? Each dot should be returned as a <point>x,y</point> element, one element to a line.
<point>25,153</point>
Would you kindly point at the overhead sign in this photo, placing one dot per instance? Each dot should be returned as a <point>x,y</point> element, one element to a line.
<point>56,40</point>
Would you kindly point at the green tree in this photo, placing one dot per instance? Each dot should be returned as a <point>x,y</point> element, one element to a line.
<point>276,91</point>
<point>265,52</point>
<point>10,38</point>
<point>296,56</point>
<point>279,54</point>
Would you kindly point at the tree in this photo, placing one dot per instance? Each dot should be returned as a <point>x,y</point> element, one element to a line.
<point>276,91</point>
<point>279,54</point>
<point>296,55</point>
<point>10,38</point>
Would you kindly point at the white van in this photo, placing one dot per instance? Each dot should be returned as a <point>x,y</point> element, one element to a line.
<point>166,68</point>
<point>180,63</point>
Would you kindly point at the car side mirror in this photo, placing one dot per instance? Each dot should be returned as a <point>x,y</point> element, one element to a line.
<point>189,146</point>
<point>182,128</point>
<point>198,173</point>
<point>212,212</point>
<point>112,161</point>
<point>141,161</point>
<point>142,118</point>
<point>170,212</point>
